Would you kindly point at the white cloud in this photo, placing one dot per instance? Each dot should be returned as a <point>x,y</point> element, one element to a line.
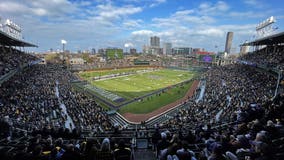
<point>80,26</point>
<point>211,32</point>
<point>184,18</point>
<point>132,24</point>
<point>85,3</point>
<point>222,6</point>
<point>156,3</point>
<point>51,8</point>
<point>245,15</point>
<point>142,33</point>
<point>40,11</point>
<point>258,4</point>
<point>207,8</point>
<point>254,3</point>
<point>109,15</point>
<point>11,7</point>
<point>183,12</point>
<point>110,11</point>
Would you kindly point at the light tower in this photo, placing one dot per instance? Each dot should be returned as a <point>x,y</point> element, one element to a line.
<point>63,42</point>
<point>128,45</point>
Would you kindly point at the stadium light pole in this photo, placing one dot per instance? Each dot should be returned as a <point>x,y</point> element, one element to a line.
<point>63,42</point>
<point>126,45</point>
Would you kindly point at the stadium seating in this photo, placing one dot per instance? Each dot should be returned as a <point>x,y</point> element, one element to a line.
<point>11,59</point>
<point>271,56</point>
<point>31,97</point>
<point>237,116</point>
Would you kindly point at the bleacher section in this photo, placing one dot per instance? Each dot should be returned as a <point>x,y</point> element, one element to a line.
<point>12,60</point>
<point>269,57</point>
<point>268,52</point>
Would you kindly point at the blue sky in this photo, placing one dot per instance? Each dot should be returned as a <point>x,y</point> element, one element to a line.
<point>87,24</point>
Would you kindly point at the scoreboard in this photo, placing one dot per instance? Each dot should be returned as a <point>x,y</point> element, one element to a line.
<point>206,58</point>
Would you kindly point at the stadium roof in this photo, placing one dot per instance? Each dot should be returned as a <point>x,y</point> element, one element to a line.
<point>8,40</point>
<point>269,40</point>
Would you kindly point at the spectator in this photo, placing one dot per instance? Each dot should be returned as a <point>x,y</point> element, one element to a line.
<point>105,151</point>
<point>122,152</point>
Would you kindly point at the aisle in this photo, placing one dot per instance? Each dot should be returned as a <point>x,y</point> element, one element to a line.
<point>202,91</point>
<point>69,122</point>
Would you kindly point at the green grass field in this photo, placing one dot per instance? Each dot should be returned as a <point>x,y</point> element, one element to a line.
<point>140,84</point>
<point>156,101</point>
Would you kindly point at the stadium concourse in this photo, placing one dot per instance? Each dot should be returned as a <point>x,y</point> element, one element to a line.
<point>236,113</point>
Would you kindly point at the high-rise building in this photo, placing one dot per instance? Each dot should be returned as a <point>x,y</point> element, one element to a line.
<point>93,51</point>
<point>133,51</point>
<point>155,42</point>
<point>229,42</point>
<point>167,48</point>
<point>155,45</point>
<point>101,51</point>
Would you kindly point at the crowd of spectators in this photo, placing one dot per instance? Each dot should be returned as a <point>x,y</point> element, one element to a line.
<point>84,111</point>
<point>39,147</point>
<point>11,59</point>
<point>30,97</point>
<point>270,56</point>
<point>260,138</point>
<point>234,93</point>
<point>230,91</point>
<point>257,138</point>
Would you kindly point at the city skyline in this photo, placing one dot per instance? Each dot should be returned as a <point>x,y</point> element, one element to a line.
<point>104,23</point>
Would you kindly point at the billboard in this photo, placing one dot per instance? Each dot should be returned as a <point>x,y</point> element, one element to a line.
<point>114,53</point>
<point>206,58</point>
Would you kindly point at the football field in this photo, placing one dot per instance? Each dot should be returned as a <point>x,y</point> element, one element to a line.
<point>138,86</point>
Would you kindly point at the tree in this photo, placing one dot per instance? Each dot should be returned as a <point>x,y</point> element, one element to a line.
<point>87,58</point>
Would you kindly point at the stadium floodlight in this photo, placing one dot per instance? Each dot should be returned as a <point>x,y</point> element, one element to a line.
<point>127,45</point>
<point>63,42</point>
<point>265,27</point>
<point>266,23</point>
